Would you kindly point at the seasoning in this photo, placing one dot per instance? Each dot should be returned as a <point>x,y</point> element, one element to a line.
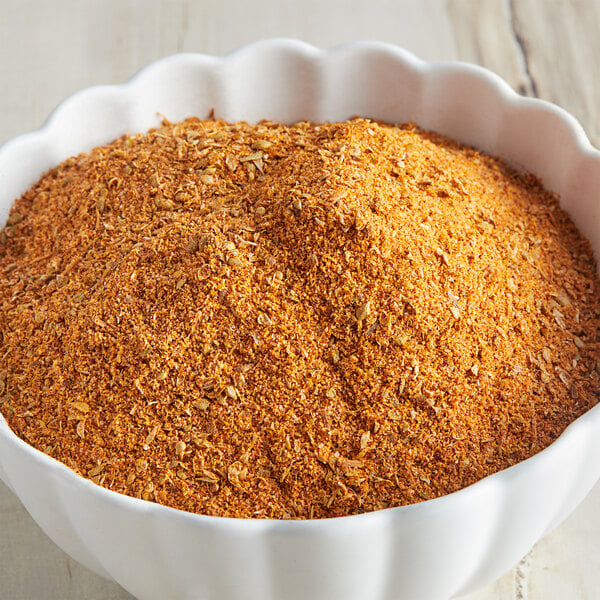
<point>293,322</point>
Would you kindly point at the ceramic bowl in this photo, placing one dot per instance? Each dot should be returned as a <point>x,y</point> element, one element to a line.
<point>432,550</point>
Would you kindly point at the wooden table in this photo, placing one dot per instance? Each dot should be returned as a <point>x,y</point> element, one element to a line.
<point>545,48</point>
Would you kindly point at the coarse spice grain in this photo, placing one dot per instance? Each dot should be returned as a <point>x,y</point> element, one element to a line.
<point>293,321</point>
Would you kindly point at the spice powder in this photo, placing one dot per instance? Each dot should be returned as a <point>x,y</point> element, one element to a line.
<point>293,322</point>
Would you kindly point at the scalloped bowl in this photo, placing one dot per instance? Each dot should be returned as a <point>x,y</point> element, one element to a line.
<point>432,550</point>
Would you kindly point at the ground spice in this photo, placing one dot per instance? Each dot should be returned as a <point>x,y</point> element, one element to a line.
<point>293,322</point>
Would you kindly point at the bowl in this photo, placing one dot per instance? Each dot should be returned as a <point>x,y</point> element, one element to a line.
<point>432,550</point>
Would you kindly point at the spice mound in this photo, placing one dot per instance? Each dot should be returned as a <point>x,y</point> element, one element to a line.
<point>299,321</point>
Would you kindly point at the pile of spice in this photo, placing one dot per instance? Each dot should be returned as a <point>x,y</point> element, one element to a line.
<point>293,322</point>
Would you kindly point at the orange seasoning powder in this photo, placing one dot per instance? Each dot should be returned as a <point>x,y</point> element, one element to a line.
<point>293,322</point>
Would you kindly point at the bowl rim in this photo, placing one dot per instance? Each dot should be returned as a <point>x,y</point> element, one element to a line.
<point>423,508</point>
<point>500,86</point>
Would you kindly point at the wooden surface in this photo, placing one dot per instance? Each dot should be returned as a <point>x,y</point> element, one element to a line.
<point>49,50</point>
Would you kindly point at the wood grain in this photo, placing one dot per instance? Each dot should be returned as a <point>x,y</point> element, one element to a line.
<point>48,50</point>
<point>485,35</point>
<point>561,46</point>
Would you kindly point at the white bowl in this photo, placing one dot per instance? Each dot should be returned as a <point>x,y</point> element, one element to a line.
<point>431,550</point>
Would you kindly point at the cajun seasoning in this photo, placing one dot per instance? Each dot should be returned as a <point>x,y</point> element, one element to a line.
<point>293,322</point>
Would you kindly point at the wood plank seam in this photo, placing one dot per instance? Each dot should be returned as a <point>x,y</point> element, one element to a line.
<point>523,47</point>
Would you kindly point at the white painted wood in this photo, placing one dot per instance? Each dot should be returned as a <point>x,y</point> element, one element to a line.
<point>562,45</point>
<point>49,50</point>
<point>33,568</point>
